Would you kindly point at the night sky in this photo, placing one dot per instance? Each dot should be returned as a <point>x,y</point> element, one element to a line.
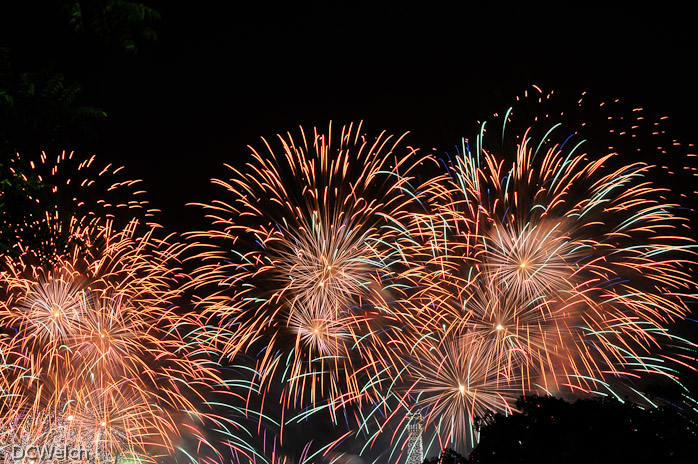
<point>222,74</point>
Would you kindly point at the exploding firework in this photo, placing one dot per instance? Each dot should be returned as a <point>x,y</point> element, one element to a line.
<point>53,414</point>
<point>452,384</point>
<point>104,343</point>
<point>458,381</point>
<point>307,227</point>
<point>564,268</point>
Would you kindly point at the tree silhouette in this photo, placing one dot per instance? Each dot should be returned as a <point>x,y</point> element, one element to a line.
<point>40,108</point>
<point>448,456</point>
<point>120,22</point>
<point>551,430</point>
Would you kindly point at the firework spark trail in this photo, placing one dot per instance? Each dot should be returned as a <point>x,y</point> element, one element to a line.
<point>310,223</point>
<point>65,189</point>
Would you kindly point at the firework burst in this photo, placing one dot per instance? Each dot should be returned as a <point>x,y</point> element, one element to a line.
<point>105,342</point>
<point>456,382</point>
<point>563,268</point>
<point>340,275</point>
<point>311,221</point>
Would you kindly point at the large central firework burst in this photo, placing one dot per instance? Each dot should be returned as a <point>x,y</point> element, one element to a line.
<point>311,221</point>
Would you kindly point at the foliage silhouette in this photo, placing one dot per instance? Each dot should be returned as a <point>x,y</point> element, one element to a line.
<point>551,430</point>
<point>120,22</point>
<point>448,456</point>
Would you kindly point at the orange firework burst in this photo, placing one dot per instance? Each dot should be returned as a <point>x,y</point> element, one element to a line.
<point>92,332</point>
<point>312,223</point>
<point>563,268</point>
<point>104,339</point>
<point>456,381</point>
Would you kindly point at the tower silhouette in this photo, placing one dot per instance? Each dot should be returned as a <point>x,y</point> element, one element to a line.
<point>415,452</point>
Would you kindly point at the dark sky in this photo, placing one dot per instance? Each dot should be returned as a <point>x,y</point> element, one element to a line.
<point>222,74</point>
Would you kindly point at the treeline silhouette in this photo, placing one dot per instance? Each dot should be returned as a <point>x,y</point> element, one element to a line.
<point>588,431</point>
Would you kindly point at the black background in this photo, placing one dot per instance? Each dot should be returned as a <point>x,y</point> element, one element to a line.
<point>222,74</point>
